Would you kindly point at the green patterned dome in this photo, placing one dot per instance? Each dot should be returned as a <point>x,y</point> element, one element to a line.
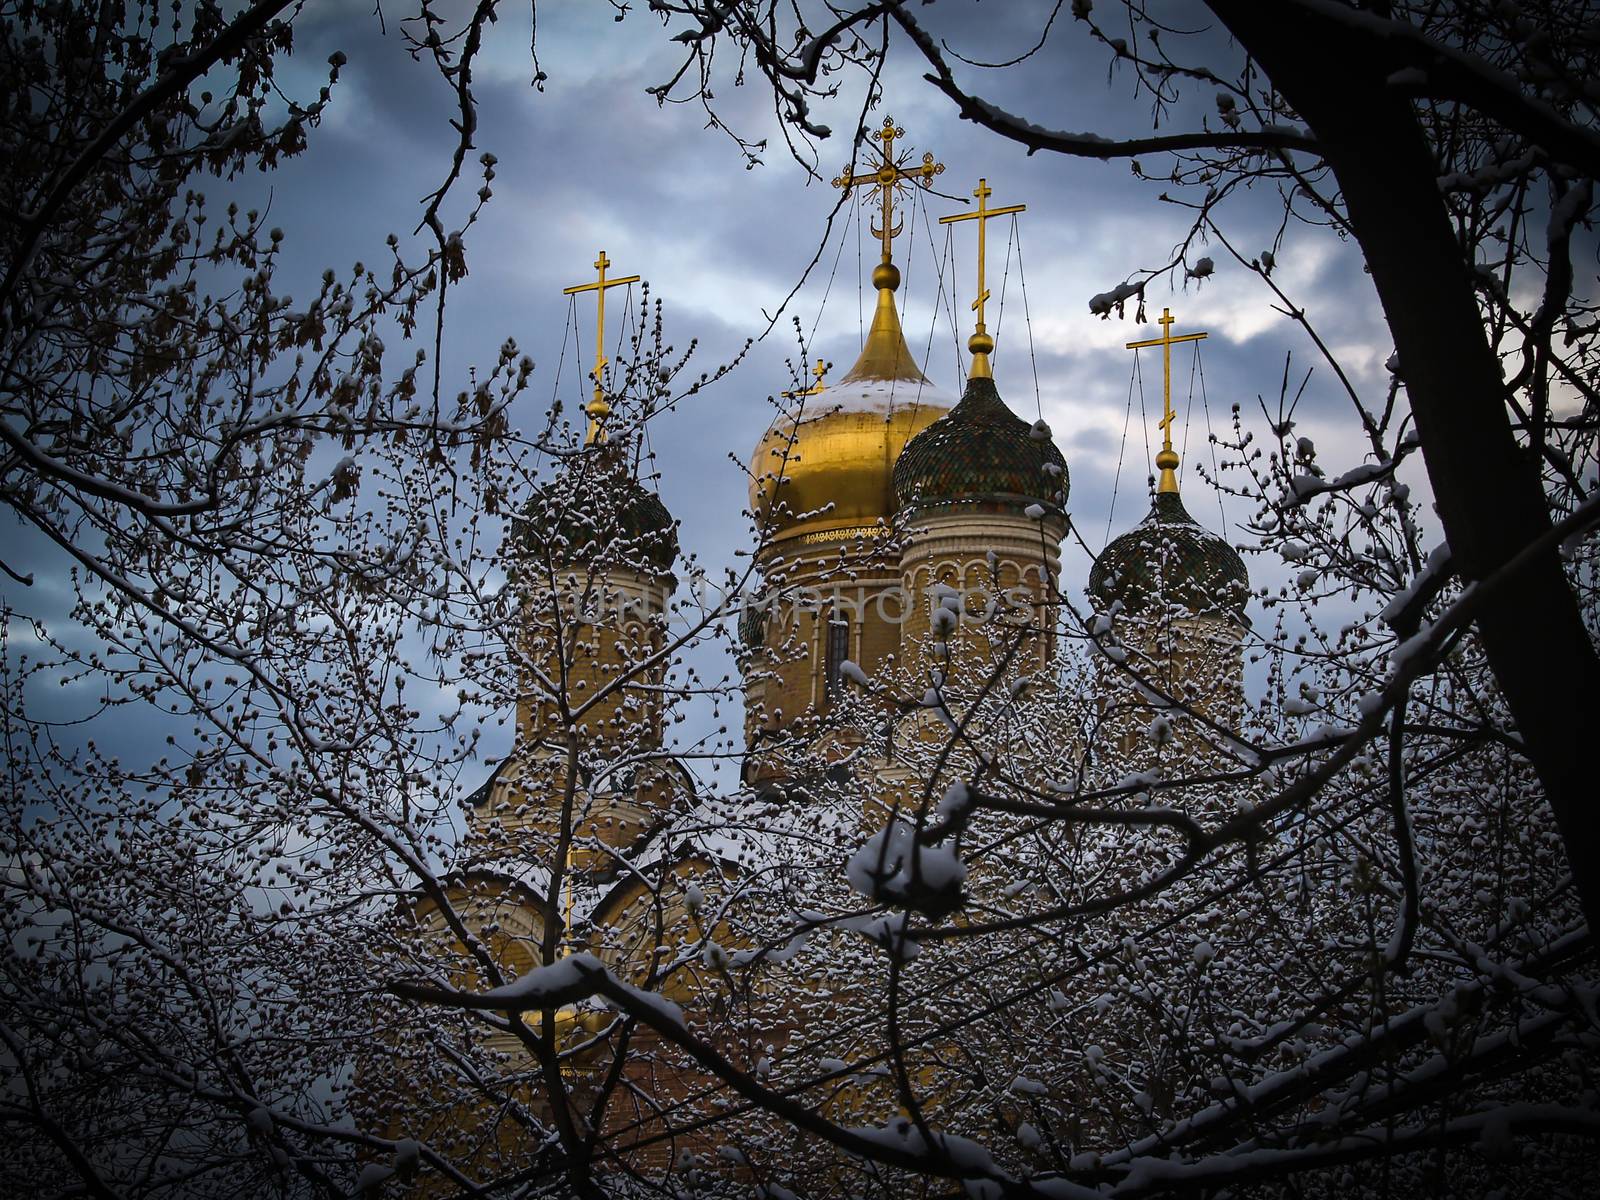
<point>980,455</point>
<point>595,504</point>
<point>1169,554</point>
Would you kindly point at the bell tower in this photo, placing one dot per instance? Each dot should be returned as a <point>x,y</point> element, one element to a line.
<point>982,497</point>
<point>1171,597</point>
<point>592,562</point>
<point>822,494</point>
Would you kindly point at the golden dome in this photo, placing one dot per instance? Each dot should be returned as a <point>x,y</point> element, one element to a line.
<point>837,473</point>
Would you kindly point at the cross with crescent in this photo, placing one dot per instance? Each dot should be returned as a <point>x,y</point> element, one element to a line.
<point>1166,460</point>
<point>597,409</point>
<point>890,173</point>
<point>980,343</point>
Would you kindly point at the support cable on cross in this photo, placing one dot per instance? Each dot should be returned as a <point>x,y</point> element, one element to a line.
<point>598,409</point>
<point>1166,457</point>
<point>980,343</point>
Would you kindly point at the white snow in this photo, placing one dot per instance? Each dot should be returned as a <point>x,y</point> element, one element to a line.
<point>890,861</point>
<point>1102,303</point>
<point>574,978</point>
<point>957,799</point>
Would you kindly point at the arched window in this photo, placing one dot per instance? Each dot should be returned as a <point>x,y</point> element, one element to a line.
<point>838,651</point>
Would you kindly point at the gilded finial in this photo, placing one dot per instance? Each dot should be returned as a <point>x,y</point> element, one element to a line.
<point>1166,457</point>
<point>598,409</point>
<point>817,388</point>
<point>885,356</point>
<point>891,173</point>
<point>980,343</point>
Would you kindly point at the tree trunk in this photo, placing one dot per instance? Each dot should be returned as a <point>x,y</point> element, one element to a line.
<point>1490,497</point>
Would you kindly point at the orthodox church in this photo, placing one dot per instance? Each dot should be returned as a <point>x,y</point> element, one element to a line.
<point>907,564</point>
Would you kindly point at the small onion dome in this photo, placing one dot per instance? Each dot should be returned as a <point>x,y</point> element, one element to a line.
<point>981,457</point>
<point>1171,556</point>
<point>596,505</point>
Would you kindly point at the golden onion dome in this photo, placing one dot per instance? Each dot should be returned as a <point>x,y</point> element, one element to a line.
<point>827,469</point>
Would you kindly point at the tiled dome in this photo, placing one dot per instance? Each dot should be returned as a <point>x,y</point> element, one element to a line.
<point>983,456</point>
<point>1170,556</point>
<point>597,503</point>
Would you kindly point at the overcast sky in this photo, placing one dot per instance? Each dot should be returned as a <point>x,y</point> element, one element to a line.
<point>592,161</point>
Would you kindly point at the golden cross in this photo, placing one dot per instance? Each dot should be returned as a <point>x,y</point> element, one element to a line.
<point>889,174</point>
<point>819,371</point>
<point>980,343</point>
<point>1166,460</point>
<point>597,409</point>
